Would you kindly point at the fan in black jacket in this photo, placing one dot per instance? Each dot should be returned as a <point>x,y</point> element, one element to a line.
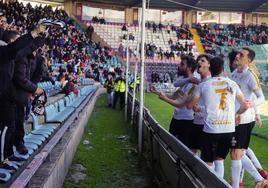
<point>27,73</point>
<point>7,105</point>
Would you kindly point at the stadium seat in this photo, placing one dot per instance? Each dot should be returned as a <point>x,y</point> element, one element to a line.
<point>31,140</point>
<point>6,175</point>
<point>57,113</point>
<point>46,127</point>
<point>74,101</point>
<point>31,145</point>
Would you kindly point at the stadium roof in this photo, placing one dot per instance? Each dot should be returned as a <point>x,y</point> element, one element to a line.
<point>212,5</point>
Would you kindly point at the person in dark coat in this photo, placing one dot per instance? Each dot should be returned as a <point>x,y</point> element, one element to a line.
<point>7,104</point>
<point>120,88</point>
<point>109,85</point>
<point>124,27</point>
<point>90,31</point>
<point>26,86</point>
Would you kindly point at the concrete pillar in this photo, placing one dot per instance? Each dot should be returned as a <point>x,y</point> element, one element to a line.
<point>243,18</point>
<point>183,17</point>
<point>129,15</point>
<point>77,10</point>
<point>187,17</point>
<point>248,18</point>
<point>254,19</point>
<point>262,18</point>
<point>136,16</point>
<point>68,7</point>
<point>194,17</point>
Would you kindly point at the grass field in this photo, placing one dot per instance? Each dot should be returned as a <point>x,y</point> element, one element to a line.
<point>110,162</point>
<point>163,114</point>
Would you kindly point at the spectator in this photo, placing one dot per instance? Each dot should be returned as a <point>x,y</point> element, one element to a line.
<point>124,27</point>
<point>160,26</point>
<point>168,29</point>
<point>131,37</point>
<point>109,85</point>
<point>154,28</point>
<point>153,77</point>
<point>90,31</point>
<point>121,50</point>
<point>120,87</point>
<point>109,53</point>
<point>7,109</point>
<point>170,41</point>
<point>70,85</point>
<point>25,88</point>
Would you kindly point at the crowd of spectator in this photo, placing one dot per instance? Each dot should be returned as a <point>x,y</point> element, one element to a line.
<point>182,31</point>
<point>176,47</point>
<point>167,77</point>
<point>95,19</point>
<point>232,35</point>
<point>32,40</point>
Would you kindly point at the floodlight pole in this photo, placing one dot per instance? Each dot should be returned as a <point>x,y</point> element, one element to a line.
<point>134,89</point>
<point>126,91</point>
<point>136,69</point>
<point>142,75</point>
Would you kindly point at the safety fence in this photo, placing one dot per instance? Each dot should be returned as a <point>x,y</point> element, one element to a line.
<point>172,163</point>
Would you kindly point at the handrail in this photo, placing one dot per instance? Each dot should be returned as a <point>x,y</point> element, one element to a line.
<point>178,166</point>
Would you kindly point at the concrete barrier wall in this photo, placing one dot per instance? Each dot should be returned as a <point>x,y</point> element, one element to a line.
<point>172,164</point>
<point>53,172</point>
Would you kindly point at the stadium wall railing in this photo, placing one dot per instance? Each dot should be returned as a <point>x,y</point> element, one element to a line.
<point>171,163</point>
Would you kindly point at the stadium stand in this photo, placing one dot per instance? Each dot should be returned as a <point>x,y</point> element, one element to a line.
<point>74,65</point>
<point>157,42</point>
<point>71,74</point>
<point>220,39</point>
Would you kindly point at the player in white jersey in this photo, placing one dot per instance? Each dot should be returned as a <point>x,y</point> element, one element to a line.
<point>249,84</point>
<point>197,128</point>
<point>182,117</point>
<point>198,123</point>
<point>249,156</point>
<point>218,95</point>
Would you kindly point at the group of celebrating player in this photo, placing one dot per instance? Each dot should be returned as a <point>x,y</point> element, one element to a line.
<point>216,114</point>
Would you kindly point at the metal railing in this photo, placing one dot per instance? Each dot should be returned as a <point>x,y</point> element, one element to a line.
<point>171,162</point>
